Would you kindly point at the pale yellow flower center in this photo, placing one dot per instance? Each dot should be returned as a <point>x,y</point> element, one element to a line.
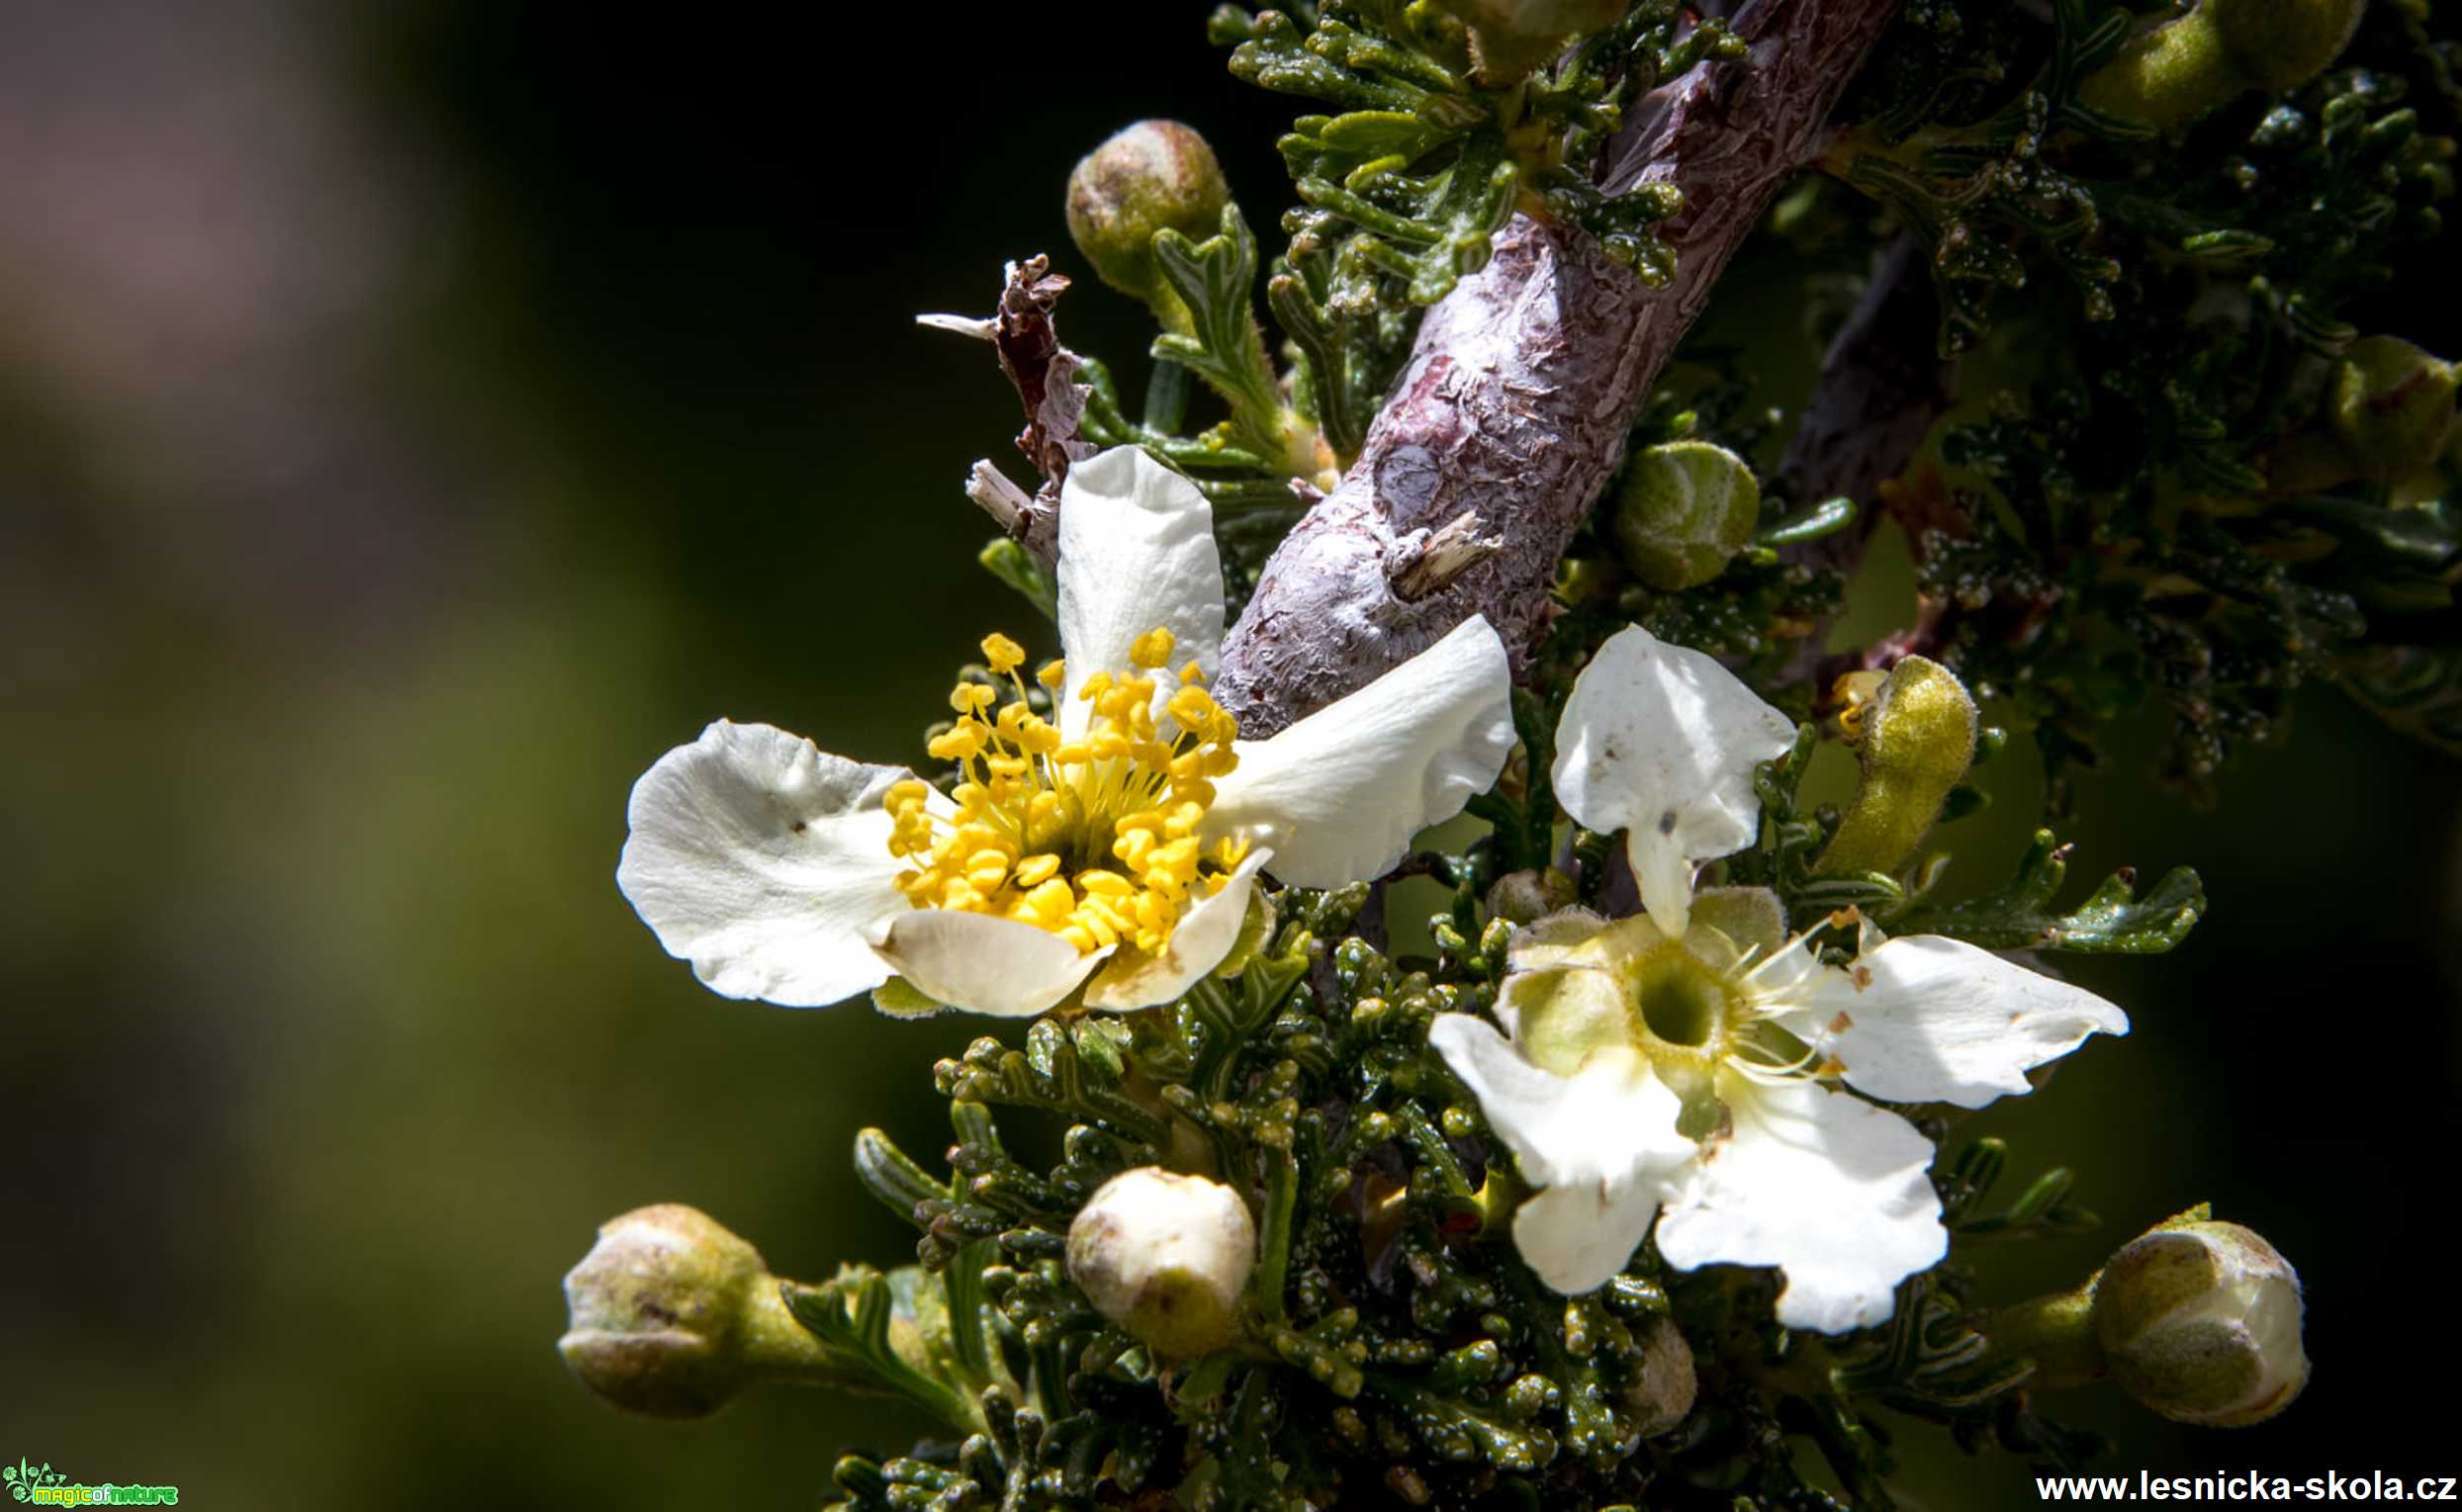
<point>1095,839</point>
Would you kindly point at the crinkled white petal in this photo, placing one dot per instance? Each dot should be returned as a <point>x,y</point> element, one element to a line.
<point>1339,794</point>
<point>1577,1237</point>
<point>983,964</point>
<point>1612,1124</point>
<point>1660,742</point>
<point>1205,935</point>
<point>1136,552</point>
<point>764,862</point>
<point>1925,1019</point>
<point>1827,1187</point>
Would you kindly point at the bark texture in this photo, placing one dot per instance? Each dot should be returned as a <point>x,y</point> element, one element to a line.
<point>1517,399</point>
<point>1883,385</point>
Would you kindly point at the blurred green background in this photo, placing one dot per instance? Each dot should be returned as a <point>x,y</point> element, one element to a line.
<point>415,417</point>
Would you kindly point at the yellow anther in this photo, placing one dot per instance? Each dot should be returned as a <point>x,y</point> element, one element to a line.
<point>1002,655</point>
<point>960,744</point>
<point>1051,903</point>
<point>1034,870</point>
<point>1122,797</point>
<point>1193,708</point>
<point>1153,648</point>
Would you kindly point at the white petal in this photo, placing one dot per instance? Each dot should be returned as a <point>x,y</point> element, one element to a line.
<point>1136,551</point>
<point>1926,1018</point>
<point>1613,1125</point>
<point>1577,1237</point>
<point>984,964</point>
<point>764,862</point>
<point>1660,742</point>
<point>1828,1188</point>
<point>1206,933</point>
<point>1339,794</point>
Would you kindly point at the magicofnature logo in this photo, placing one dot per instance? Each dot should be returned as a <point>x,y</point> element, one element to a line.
<point>47,1487</point>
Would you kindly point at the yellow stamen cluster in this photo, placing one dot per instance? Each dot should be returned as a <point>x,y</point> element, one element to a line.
<point>1095,839</point>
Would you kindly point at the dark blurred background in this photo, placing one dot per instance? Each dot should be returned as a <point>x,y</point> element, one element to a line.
<point>414,419</point>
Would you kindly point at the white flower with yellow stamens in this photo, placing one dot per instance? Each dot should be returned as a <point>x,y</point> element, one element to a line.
<point>1681,1067</point>
<point>1111,848</point>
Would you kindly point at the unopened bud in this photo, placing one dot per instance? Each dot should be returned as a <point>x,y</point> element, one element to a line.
<point>1685,509</point>
<point>2176,72</point>
<point>673,1314</point>
<point>2392,406</point>
<point>1155,175</point>
<point>2198,1320</point>
<point>1662,1390</point>
<point>1915,738</point>
<point>1510,37</point>
<point>2201,1322</point>
<point>1523,897</point>
<point>1165,1257</point>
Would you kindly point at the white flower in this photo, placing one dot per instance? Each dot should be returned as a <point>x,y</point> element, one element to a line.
<point>1678,1067</point>
<point>1113,848</point>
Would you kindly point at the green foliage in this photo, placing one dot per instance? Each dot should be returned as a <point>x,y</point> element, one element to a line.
<point>2113,919</point>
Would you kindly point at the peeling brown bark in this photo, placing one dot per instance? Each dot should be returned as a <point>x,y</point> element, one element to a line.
<point>1518,396</point>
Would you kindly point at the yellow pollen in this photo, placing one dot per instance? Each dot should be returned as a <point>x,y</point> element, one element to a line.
<point>1095,839</point>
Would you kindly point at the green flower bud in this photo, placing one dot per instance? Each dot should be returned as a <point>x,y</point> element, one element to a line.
<point>1165,1257</point>
<point>1155,175</point>
<point>673,1314</point>
<point>2180,70</point>
<point>1510,37</point>
<point>2196,1319</point>
<point>2392,406</point>
<point>2201,1322</point>
<point>1915,738</point>
<point>1685,507</point>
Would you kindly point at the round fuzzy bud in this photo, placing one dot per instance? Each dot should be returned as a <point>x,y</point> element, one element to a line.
<point>1155,175</point>
<point>2392,406</point>
<point>2280,45</point>
<point>1684,508</point>
<point>1524,897</point>
<point>2199,1321</point>
<point>1165,1257</point>
<point>672,1314</point>
<point>2176,72</point>
<point>1662,1390</point>
<point>1510,37</point>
